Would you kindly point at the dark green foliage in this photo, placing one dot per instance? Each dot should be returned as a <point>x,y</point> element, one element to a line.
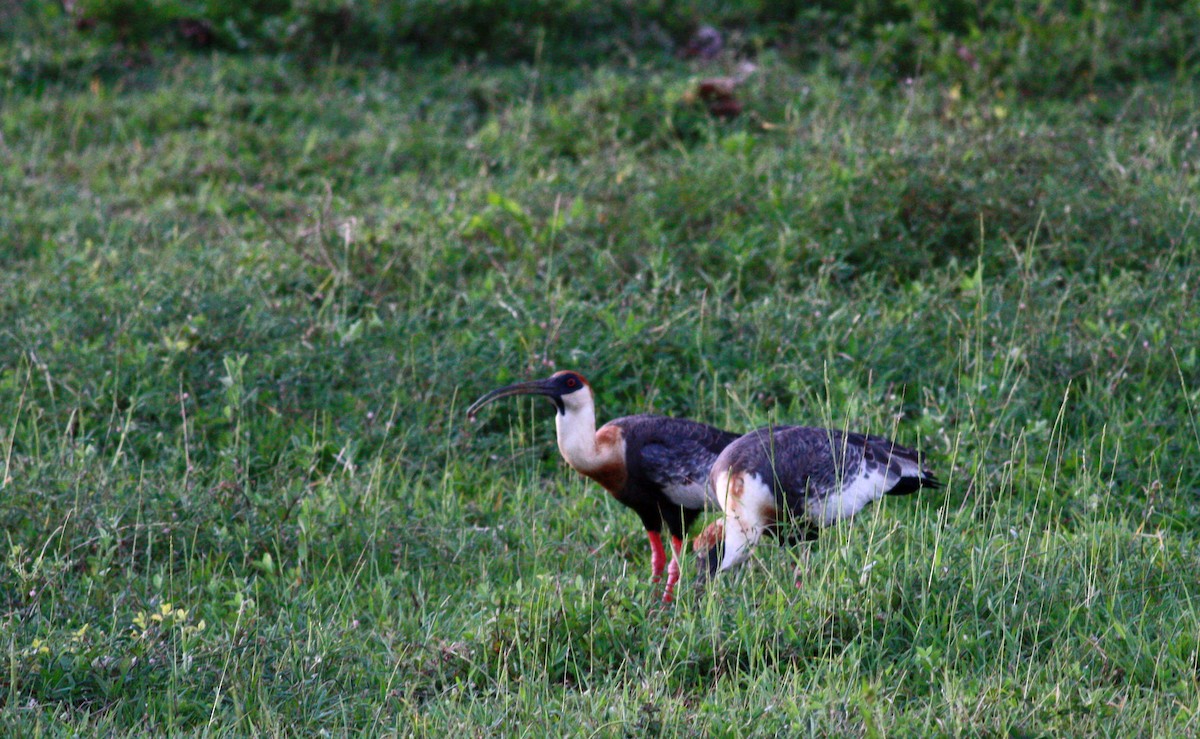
<point>246,296</point>
<point>1022,47</point>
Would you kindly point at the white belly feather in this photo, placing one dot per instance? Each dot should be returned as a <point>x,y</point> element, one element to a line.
<point>690,496</point>
<point>854,495</point>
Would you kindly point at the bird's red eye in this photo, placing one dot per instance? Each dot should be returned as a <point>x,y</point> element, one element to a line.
<point>570,382</point>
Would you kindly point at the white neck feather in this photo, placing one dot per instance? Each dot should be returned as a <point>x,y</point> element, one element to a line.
<point>576,428</point>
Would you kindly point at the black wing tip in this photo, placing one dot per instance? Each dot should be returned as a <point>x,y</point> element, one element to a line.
<point>910,485</point>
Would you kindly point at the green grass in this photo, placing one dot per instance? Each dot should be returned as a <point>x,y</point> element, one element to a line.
<point>244,301</point>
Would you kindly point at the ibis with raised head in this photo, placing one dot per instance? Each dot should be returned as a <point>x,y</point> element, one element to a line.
<point>793,481</point>
<point>656,465</point>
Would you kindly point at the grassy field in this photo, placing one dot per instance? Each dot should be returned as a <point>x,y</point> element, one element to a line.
<point>246,295</point>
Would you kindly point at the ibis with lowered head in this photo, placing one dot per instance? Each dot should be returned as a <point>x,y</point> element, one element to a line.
<point>656,465</point>
<point>795,480</point>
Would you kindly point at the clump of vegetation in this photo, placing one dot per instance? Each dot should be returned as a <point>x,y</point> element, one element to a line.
<point>1023,48</point>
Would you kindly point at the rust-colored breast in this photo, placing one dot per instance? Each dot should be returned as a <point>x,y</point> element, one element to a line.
<point>769,514</point>
<point>610,473</point>
<point>711,536</point>
<point>737,486</point>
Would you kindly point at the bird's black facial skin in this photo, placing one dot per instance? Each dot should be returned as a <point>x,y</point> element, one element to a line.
<point>713,562</point>
<point>568,382</point>
<point>554,388</point>
<point>708,562</point>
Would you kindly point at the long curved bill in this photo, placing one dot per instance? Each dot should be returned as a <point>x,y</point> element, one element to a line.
<point>537,387</point>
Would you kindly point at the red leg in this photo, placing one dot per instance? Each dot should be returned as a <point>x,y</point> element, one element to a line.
<point>658,555</point>
<point>673,569</point>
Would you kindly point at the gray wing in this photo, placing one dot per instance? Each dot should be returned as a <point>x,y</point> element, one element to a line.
<point>680,462</point>
<point>816,462</point>
<point>673,454</point>
<point>807,465</point>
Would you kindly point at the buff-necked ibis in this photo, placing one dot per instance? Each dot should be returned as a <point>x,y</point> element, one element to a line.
<point>795,480</point>
<point>656,465</point>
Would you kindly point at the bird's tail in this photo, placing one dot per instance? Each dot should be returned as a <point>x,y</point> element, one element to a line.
<point>906,466</point>
<point>911,483</point>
